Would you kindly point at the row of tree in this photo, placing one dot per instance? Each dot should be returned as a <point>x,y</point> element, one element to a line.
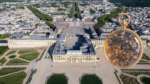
<point>102,18</point>
<point>137,4</point>
<point>50,25</point>
<point>105,18</point>
<point>42,16</point>
<point>78,11</point>
<point>66,4</point>
<point>131,3</point>
<point>60,9</point>
<point>71,11</point>
<point>124,1</point>
<point>84,4</point>
<point>77,7</point>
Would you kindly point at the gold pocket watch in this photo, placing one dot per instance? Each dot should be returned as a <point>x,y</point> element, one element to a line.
<point>123,47</point>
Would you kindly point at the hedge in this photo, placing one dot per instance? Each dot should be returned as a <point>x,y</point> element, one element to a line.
<point>71,11</point>
<point>41,56</point>
<point>30,77</point>
<point>50,25</point>
<point>78,11</point>
<point>117,77</point>
<point>105,18</point>
<point>40,15</point>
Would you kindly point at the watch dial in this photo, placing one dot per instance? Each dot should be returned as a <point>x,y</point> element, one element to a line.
<point>122,48</point>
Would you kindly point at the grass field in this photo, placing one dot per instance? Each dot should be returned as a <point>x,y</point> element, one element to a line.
<point>90,79</point>
<point>3,49</point>
<point>128,80</point>
<point>3,60</point>
<point>25,51</point>
<point>57,79</point>
<point>5,71</point>
<point>13,79</point>
<point>30,56</point>
<point>145,57</point>
<point>10,52</point>
<point>16,61</point>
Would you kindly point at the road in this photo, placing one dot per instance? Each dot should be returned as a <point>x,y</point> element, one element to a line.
<point>75,12</point>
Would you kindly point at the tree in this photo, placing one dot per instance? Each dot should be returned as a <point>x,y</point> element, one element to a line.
<point>47,17</point>
<point>36,24</point>
<point>130,26</point>
<point>109,17</point>
<point>105,18</point>
<point>27,33</point>
<point>50,25</point>
<point>40,15</point>
<point>102,17</point>
<point>92,11</point>
<point>71,11</point>
<point>78,15</point>
<point>77,7</point>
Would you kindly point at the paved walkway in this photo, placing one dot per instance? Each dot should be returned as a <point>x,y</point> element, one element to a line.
<point>141,66</point>
<point>129,75</point>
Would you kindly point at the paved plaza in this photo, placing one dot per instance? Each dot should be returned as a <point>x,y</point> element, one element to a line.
<point>104,70</point>
<point>74,43</point>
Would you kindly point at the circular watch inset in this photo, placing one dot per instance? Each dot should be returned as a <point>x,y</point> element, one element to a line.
<point>123,47</point>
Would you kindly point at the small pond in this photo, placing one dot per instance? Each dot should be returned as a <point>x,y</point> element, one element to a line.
<point>3,41</point>
<point>90,79</point>
<point>145,80</point>
<point>12,56</point>
<point>57,79</point>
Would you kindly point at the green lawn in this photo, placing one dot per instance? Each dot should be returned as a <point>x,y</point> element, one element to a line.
<point>30,56</point>
<point>3,49</point>
<point>128,80</point>
<point>57,79</point>
<point>5,36</point>
<point>25,51</point>
<point>90,79</point>
<point>13,61</point>
<point>5,71</point>
<point>10,52</point>
<point>13,79</point>
<point>27,33</point>
<point>145,57</point>
<point>3,60</point>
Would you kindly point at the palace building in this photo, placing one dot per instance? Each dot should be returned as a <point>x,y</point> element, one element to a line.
<point>71,45</point>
